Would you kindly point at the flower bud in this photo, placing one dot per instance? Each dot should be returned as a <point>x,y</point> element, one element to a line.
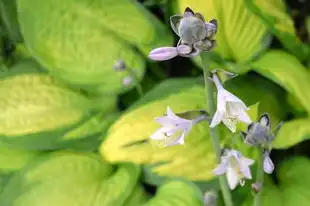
<point>192,29</point>
<point>119,65</point>
<point>184,49</point>
<point>257,186</point>
<point>210,198</point>
<point>211,28</point>
<point>163,53</point>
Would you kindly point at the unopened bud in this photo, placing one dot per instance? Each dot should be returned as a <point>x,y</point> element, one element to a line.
<point>210,198</point>
<point>257,186</point>
<point>119,65</point>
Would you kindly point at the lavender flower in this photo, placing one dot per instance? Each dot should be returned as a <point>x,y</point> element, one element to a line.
<point>268,164</point>
<point>236,167</point>
<point>195,34</point>
<point>174,128</point>
<point>230,108</point>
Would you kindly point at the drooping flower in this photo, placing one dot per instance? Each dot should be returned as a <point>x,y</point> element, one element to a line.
<point>195,34</point>
<point>268,164</point>
<point>236,167</point>
<point>259,133</point>
<point>230,108</point>
<point>174,128</point>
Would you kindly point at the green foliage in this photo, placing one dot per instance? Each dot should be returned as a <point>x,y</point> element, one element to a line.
<point>66,178</point>
<point>287,71</point>
<point>177,193</point>
<point>293,187</point>
<point>281,25</point>
<point>80,42</point>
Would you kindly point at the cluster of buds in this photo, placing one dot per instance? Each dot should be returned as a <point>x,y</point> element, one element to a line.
<point>195,35</point>
<point>120,66</point>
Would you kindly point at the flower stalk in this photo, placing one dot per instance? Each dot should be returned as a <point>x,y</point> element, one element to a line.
<point>214,131</point>
<point>259,175</point>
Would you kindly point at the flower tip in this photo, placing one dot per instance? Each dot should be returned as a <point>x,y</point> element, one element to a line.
<point>163,53</point>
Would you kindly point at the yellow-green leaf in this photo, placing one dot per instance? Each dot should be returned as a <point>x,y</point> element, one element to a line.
<point>240,35</point>
<point>38,110</point>
<point>287,71</point>
<point>292,187</point>
<point>280,24</point>
<point>292,132</point>
<point>80,41</point>
<point>12,159</point>
<point>177,193</point>
<point>71,179</point>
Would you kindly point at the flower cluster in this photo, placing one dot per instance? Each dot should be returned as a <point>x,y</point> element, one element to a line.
<point>195,35</point>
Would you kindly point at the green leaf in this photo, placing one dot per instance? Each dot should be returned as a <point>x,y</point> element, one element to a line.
<point>177,193</point>
<point>292,132</point>
<point>241,35</point>
<point>281,25</point>
<point>71,179</point>
<point>12,159</point>
<point>127,138</point>
<point>8,13</point>
<point>37,109</point>
<point>285,70</point>
<point>80,41</point>
<point>293,184</point>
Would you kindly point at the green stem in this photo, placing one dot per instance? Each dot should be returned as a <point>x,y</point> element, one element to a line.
<point>210,101</point>
<point>259,176</point>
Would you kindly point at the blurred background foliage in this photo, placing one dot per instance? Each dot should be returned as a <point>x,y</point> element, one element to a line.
<point>74,130</point>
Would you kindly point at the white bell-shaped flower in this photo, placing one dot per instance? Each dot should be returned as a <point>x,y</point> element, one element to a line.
<point>230,108</point>
<point>173,130</point>
<point>236,167</point>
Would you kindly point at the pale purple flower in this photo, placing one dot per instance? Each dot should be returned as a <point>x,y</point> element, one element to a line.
<point>268,164</point>
<point>236,167</point>
<point>230,108</point>
<point>174,128</point>
<point>119,65</point>
<point>127,81</point>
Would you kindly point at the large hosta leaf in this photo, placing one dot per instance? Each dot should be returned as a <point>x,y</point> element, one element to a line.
<point>280,24</point>
<point>71,179</point>
<point>292,132</point>
<point>37,109</point>
<point>293,187</point>
<point>80,41</point>
<point>241,34</point>
<point>177,193</point>
<point>14,159</point>
<point>127,138</point>
<point>287,71</point>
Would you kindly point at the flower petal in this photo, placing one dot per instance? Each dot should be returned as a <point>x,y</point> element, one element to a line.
<point>232,178</point>
<point>268,164</point>
<point>245,170</point>
<point>184,49</point>
<point>159,134</point>
<point>220,169</point>
<point>217,118</point>
<point>229,97</point>
<point>231,124</point>
<point>163,53</point>
<point>244,117</point>
<point>175,22</point>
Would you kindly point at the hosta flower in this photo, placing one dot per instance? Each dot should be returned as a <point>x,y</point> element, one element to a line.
<point>230,108</point>
<point>195,34</point>
<point>268,164</point>
<point>259,133</point>
<point>174,128</point>
<point>236,167</point>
